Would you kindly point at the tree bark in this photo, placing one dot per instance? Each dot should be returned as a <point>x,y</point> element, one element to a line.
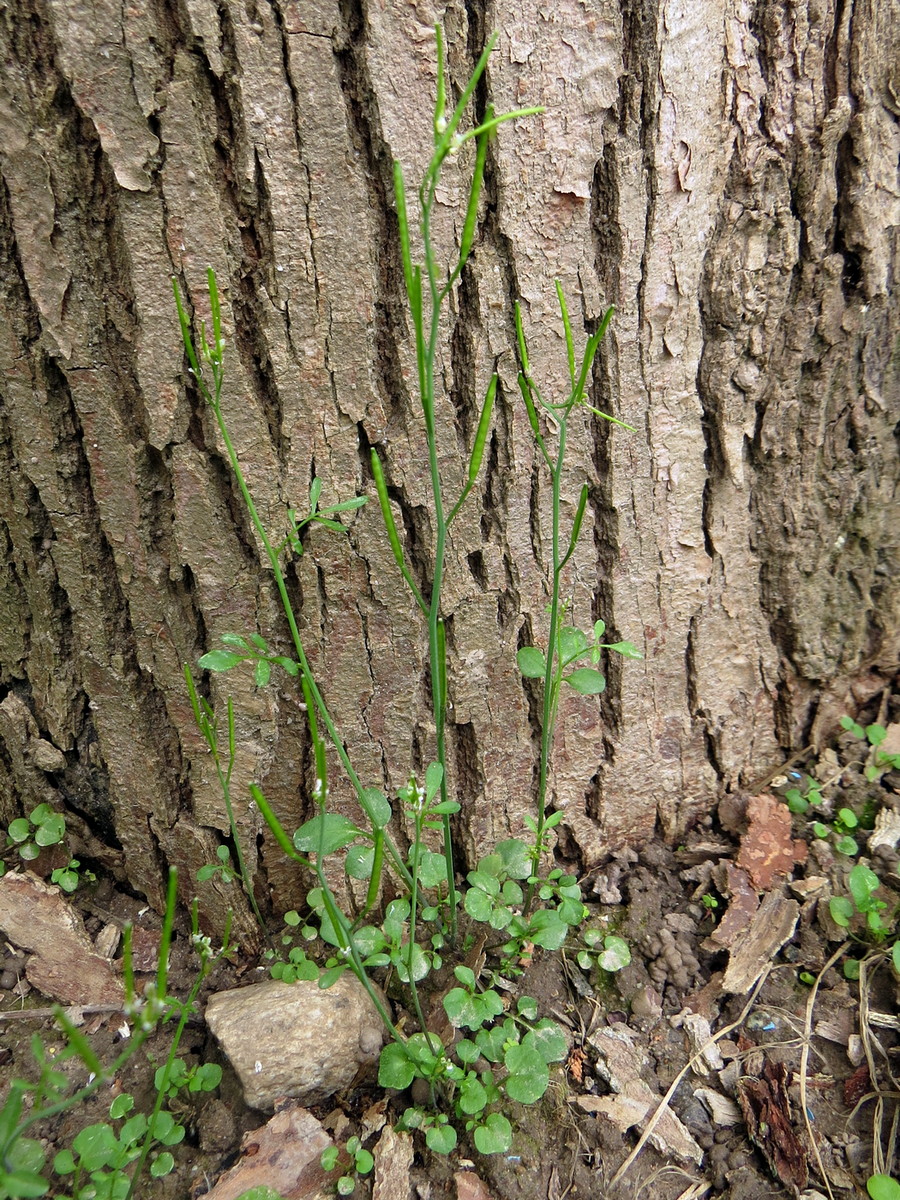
<point>724,171</point>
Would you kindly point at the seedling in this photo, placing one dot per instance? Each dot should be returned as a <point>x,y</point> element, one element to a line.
<point>354,1158</point>
<point>69,876</point>
<point>30,835</point>
<point>607,951</point>
<point>863,884</point>
<point>878,761</point>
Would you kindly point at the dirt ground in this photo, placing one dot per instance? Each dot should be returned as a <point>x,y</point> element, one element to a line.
<point>731,1058</point>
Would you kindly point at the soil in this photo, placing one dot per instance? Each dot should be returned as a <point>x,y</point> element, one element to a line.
<point>796,1096</point>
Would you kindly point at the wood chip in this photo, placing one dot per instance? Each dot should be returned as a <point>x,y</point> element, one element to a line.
<point>772,926</point>
<point>393,1159</point>
<point>64,965</point>
<point>283,1155</point>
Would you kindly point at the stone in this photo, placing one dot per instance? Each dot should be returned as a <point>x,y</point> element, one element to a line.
<point>295,1039</point>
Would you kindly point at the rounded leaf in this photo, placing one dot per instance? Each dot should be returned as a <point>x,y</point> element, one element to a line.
<point>494,1136</point>
<point>441,1139</point>
<point>883,1187</point>
<point>616,954</point>
<point>162,1165</point>
<point>587,681</point>
<point>531,662</point>
<point>395,1070</point>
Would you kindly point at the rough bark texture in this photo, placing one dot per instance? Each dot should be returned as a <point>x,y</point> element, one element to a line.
<point>724,171</point>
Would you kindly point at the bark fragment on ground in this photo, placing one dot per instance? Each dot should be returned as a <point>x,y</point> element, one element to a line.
<point>64,964</point>
<point>285,1155</point>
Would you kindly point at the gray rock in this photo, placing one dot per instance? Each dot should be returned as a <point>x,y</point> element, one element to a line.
<point>294,1039</point>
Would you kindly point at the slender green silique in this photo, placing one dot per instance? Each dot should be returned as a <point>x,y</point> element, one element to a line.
<point>559,415</point>
<point>425,308</point>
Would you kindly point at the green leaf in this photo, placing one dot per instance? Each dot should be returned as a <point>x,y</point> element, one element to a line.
<point>432,869</point>
<point>848,818</point>
<point>548,1039</point>
<point>219,660</point>
<point>847,845</point>
<point>121,1105</point>
<point>527,1007</point>
<point>883,1187</point>
<point>462,1010</point>
<point>96,1146</point>
<point>395,1070</point>
<point>377,807</point>
<point>51,830</point>
<point>841,911</point>
<point>531,662</point>
<point>851,968</point>
<point>478,904</point>
<point>338,831</point>
<point>616,956</point>
<point>359,861</point>
<point>851,726</point>
<point>465,976</point>
<point>572,643</point>
<point>64,1162</point>
<point>162,1165</point>
<point>547,931</point>
<point>472,1096</point>
<point>441,1139</point>
<point>292,667</point>
<point>516,858</point>
<point>587,681</point>
<point>863,882</point>
<point>262,673</point>
<point>466,1051</point>
<point>23,1184</point>
<point>330,977</point>
<point>19,830</point>
<point>433,779</point>
<point>876,734</point>
<point>236,641</point>
<point>626,649</point>
<point>895,956</point>
<point>528,1074</point>
<point>494,1136</point>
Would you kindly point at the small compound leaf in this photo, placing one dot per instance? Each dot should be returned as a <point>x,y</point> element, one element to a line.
<point>531,662</point>
<point>587,681</point>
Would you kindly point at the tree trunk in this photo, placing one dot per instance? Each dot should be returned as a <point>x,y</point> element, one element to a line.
<point>725,172</point>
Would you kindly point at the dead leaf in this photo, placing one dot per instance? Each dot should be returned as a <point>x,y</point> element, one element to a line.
<point>767,1112</point>
<point>767,850</point>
